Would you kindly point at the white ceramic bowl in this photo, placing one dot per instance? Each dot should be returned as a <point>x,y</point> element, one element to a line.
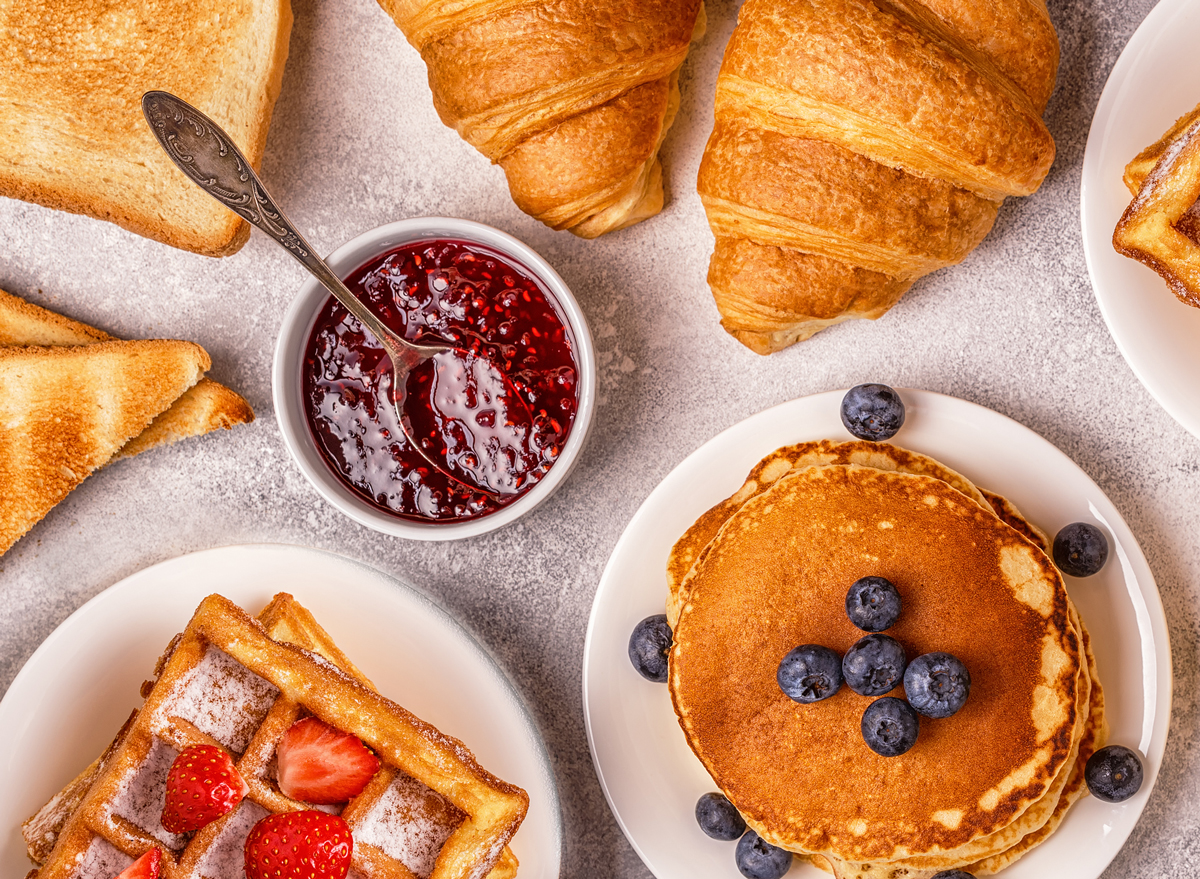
<point>289,358</point>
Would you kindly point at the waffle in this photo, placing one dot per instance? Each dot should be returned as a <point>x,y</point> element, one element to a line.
<point>1161,226</point>
<point>430,812</point>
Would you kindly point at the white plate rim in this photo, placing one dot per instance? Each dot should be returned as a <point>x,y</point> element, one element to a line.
<point>351,583</point>
<point>814,417</point>
<point>1150,326</point>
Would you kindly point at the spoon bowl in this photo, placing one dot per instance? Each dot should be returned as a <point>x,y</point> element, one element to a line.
<point>477,423</point>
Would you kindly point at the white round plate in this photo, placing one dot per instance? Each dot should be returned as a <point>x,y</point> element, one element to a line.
<point>76,690</point>
<point>1152,85</point>
<point>650,776</point>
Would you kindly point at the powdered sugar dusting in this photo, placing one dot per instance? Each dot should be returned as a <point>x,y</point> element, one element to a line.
<point>222,698</point>
<point>141,795</point>
<point>485,866</point>
<point>411,823</point>
<point>102,859</point>
<point>226,858</point>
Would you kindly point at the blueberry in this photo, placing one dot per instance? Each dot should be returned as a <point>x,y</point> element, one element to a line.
<point>872,412</point>
<point>718,818</point>
<point>1113,774</point>
<point>937,684</point>
<point>890,726</point>
<point>758,859</point>
<point>648,648</point>
<point>873,604</point>
<point>953,874</point>
<point>810,673</point>
<point>1080,549</point>
<point>874,665</point>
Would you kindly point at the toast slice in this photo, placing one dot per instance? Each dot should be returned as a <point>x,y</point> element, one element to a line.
<point>72,135</point>
<point>204,407</point>
<point>64,411</point>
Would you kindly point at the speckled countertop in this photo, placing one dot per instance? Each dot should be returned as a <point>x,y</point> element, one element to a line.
<point>355,143</point>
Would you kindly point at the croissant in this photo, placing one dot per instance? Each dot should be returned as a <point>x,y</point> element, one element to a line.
<point>859,145</point>
<point>571,98</point>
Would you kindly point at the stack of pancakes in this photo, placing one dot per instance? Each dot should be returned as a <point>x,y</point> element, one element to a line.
<point>768,569</point>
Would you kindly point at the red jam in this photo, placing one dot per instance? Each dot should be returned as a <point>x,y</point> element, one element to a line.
<point>498,408</point>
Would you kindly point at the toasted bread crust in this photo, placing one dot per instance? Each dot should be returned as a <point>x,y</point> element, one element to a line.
<point>204,408</point>
<point>72,136</point>
<point>64,411</point>
<point>23,323</point>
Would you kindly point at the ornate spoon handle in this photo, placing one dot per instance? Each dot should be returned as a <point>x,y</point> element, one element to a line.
<point>203,151</point>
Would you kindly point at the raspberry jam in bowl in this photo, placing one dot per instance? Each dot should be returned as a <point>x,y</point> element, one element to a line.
<point>507,409</point>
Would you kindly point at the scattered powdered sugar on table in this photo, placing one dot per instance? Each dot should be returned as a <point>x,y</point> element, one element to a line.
<point>141,795</point>
<point>222,698</point>
<point>411,823</point>
<point>225,858</point>
<point>102,860</point>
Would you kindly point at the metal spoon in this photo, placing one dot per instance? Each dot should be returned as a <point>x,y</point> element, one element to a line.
<point>203,151</point>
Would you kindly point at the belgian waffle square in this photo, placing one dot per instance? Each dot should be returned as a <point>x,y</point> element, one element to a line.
<point>431,811</point>
<point>1161,226</point>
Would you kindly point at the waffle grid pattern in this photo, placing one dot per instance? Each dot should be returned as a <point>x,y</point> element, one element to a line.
<point>403,827</point>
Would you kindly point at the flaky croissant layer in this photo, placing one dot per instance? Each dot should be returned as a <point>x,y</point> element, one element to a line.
<point>571,98</point>
<point>861,144</point>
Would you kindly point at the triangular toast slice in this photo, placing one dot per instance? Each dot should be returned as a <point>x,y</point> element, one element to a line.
<point>205,407</point>
<point>64,411</point>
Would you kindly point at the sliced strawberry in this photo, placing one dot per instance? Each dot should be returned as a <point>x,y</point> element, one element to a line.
<point>319,764</point>
<point>145,867</point>
<point>299,845</point>
<point>202,785</point>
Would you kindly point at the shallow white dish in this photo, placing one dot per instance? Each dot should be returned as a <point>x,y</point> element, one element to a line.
<point>79,686</point>
<point>650,776</point>
<point>288,397</point>
<point>1152,84</point>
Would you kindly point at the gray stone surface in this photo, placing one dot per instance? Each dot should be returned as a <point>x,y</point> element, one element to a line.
<point>355,143</point>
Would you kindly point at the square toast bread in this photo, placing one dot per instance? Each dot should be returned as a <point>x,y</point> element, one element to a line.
<point>72,135</point>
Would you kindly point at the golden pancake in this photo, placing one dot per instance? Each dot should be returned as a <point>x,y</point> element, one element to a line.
<point>1008,843</point>
<point>1002,847</point>
<point>1039,821</point>
<point>1008,513</point>
<point>1094,737</point>
<point>776,575</point>
<point>882,456</point>
<point>1030,829</point>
